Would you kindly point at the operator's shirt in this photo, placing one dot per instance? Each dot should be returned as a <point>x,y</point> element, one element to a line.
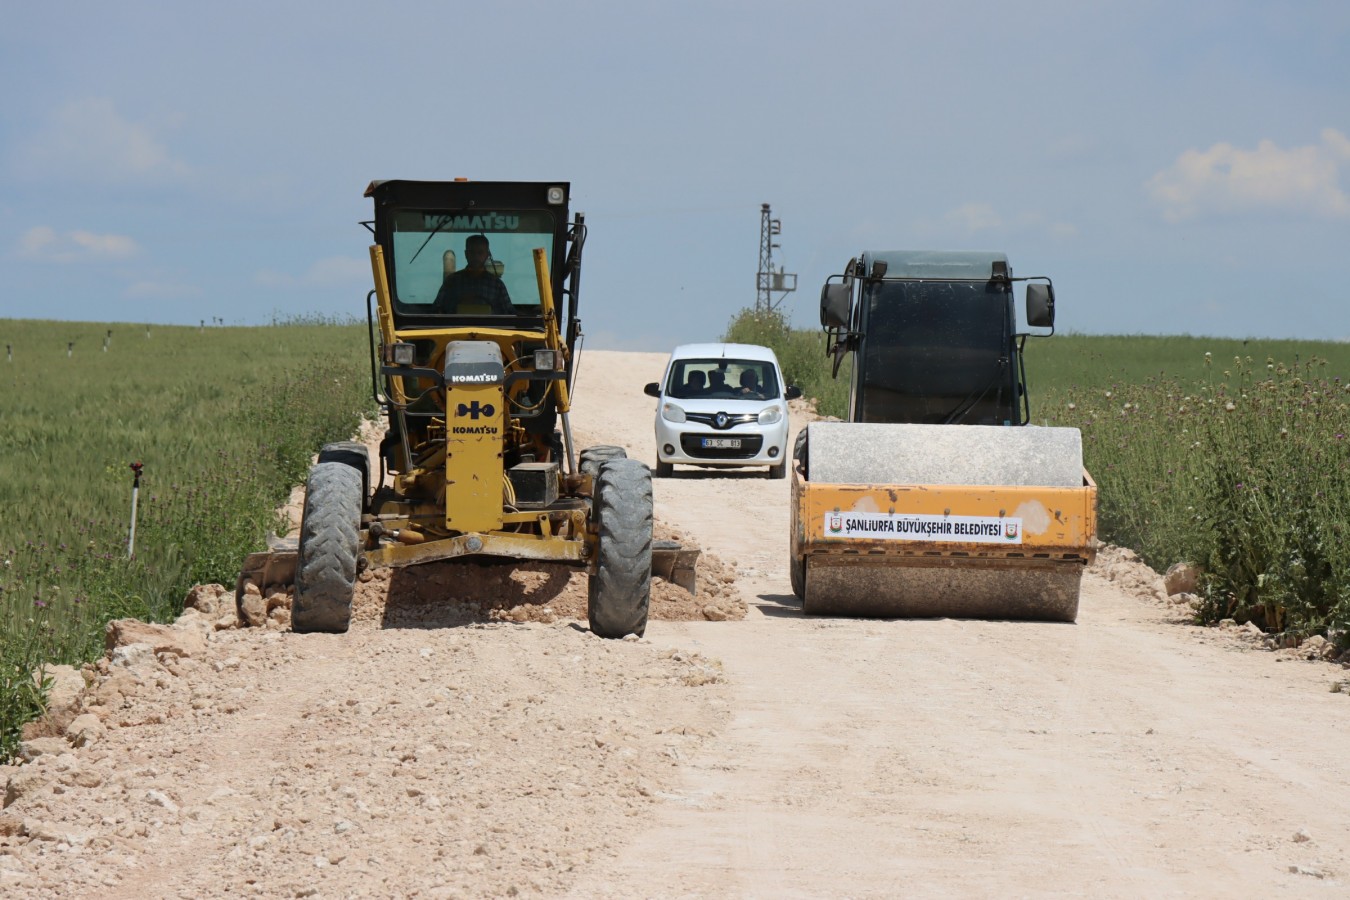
<point>469,287</point>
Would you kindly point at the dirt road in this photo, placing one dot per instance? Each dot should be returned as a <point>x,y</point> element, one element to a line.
<point>425,754</point>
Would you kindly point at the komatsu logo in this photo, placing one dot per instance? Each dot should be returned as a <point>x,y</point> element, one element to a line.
<point>474,410</point>
<point>477,378</point>
<point>483,222</point>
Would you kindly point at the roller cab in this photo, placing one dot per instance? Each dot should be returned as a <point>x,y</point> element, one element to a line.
<point>937,498</point>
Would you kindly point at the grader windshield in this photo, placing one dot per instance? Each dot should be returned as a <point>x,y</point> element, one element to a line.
<point>477,263</point>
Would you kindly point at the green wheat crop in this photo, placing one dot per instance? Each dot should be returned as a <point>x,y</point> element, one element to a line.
<point>224,421</point>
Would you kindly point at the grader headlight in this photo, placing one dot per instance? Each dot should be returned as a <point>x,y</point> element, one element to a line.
<point>400,354</point>
<point>545,360</point>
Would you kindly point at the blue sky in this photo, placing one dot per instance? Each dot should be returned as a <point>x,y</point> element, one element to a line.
<point>1175,168</point>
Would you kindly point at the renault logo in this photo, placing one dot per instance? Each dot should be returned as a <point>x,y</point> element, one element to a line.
<point>721,420</point>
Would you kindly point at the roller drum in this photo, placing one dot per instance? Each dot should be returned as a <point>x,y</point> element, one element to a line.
<point>923,592</point>
<point>875,453</point>
<point>869,578</point>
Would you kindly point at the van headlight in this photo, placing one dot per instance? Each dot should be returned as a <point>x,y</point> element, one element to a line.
<point>771,416</point>
<point>672,413</point>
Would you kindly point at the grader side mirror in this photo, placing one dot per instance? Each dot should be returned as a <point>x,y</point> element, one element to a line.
<point>836,302</point>
<point>1040,305</point>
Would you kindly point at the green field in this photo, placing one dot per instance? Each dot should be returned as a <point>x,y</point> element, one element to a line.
<point>1231,454</point>
<point>224,421</point>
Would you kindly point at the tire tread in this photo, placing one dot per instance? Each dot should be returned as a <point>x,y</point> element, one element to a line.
<point>619,593</point>
<point>325,578</point>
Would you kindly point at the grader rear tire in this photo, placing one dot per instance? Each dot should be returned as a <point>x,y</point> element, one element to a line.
<point>325,577</point>
<point>350,453</point>
<point>620,588</point>
<point>592,458</point>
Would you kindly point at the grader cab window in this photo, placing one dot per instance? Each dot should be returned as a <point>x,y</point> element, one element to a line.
<point>478,263</point>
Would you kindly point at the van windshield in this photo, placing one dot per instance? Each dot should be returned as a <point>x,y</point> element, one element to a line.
<point>723,379</point>
<point>468,264</point>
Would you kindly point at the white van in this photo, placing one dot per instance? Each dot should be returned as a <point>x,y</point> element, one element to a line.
<point>722,406</point>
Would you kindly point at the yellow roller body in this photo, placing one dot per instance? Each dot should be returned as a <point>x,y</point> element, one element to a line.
<point>941,550</point>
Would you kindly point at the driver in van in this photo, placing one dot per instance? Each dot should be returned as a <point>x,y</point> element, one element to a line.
<point>475,284</point>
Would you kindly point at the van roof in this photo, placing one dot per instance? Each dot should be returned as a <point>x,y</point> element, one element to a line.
<point>728,351</point>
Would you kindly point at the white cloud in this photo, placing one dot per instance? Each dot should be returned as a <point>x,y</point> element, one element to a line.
<point>46,244</point>
<point>88,140</point>
<point>335,271</point>
<point>1227,179</point>
<point>973,217</point>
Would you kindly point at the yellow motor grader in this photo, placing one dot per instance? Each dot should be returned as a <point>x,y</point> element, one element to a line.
<point>475,334</point>
<point>937,497</point>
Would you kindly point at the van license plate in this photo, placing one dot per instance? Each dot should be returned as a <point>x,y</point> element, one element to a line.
<point>721,443</point>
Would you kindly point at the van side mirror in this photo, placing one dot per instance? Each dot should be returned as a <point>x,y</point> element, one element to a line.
<point>1040,305</point>
<point>836,305</point>
<point>652,390</point>
<point>792,392</point>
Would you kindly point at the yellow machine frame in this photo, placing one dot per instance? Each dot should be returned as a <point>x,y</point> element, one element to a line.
<point>1059,525</point>
<point>463,491</point>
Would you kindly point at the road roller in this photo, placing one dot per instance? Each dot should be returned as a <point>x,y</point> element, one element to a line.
<point>938,497</point>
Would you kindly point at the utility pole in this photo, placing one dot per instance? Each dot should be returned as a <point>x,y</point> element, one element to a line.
<point>768,282</point>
